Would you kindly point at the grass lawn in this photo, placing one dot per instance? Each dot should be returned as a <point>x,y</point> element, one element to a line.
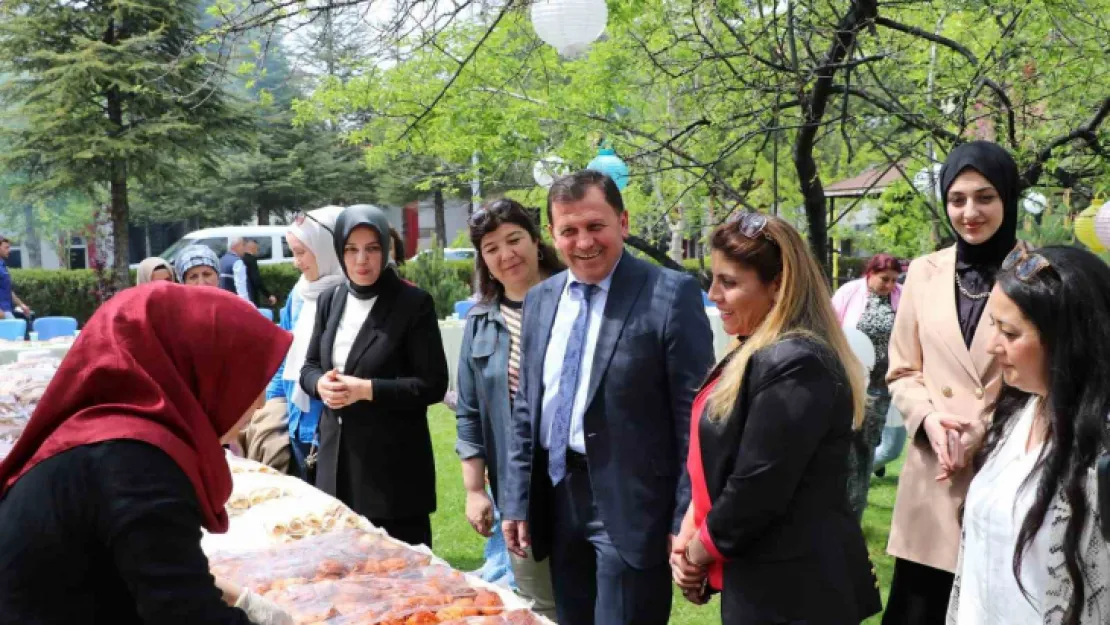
<point>457,543</point>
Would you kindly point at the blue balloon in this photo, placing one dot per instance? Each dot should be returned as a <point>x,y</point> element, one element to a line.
<point>608,163</point>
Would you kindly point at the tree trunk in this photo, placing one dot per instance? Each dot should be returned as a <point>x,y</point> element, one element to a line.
<point>32,246</point>
<point>121,278</point>
<point>263,215</point>
<point>441,220</point>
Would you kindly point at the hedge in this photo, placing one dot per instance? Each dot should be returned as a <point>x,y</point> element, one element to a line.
<point>72,293</point>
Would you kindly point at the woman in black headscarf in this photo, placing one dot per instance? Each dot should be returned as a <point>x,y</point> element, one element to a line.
<point>376,361</point>
<point>943,379</point>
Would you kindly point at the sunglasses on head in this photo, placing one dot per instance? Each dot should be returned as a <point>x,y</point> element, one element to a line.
<point>300,216</point>
<point>1024,262</point>
<point>478,217</point>
<point>751,225</point>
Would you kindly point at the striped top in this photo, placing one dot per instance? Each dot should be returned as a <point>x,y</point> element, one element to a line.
<point>512,311</point>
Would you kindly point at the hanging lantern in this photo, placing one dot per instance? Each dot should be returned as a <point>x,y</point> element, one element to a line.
<point>1085,230</point>
<point>1034,203</point>
<point>547,169</point>
<point>608,163</point>
<point>570,26</point>
<point>1102,225</point>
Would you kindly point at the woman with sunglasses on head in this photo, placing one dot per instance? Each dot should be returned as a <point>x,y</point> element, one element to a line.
<point>376,361</point>
<point>511,259</point>
<point>282,434</point>
<point>868,305</point>
<point>769,524</point>
<point>943,378</point>
<point>1032,548</point>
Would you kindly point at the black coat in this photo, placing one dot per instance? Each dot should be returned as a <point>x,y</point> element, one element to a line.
<point>776,471</point>
<point>376,456</point>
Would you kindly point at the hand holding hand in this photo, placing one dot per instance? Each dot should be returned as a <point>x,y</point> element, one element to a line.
<point>517,538</point>
<point>359,389</point>
<point>479,512</point>
<point>333,392</point>
<point>963,438</point>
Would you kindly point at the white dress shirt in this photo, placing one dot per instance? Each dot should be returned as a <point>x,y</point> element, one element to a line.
<point>239,273</point>
<point>354,316</point>
<point>996,505</point>
<point>570,303</point>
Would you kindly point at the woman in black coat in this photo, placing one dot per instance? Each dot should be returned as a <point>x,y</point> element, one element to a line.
<point>376,361</point>
<point>769,524</point>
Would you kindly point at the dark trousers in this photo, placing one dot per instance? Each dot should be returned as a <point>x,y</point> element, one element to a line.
<point>298,467</point>
<point>918,595</point>
<point>592,583</point>
<point>414,531</point>
<point>30,319</point>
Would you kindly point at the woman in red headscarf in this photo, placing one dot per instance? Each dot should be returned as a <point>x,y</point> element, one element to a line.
<point>103,497</point>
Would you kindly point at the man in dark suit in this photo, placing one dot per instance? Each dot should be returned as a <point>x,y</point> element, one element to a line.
<point>255,287</point>
<point>613,351</point>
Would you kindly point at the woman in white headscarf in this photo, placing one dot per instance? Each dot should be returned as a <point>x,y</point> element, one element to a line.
<point>287,423</point>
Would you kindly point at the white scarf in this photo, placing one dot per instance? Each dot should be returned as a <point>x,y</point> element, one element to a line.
<point>319,240</point>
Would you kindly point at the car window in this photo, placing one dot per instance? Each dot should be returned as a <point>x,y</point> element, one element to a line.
<point>265,245</point>
<point>285,251</point>
<point>171,252</point>
<point>217,244</point>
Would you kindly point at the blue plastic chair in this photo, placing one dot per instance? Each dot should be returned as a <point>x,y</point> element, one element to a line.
<point>13,329</point>
<point>267,313</point>
<point>50,327</point>
<point>463,307</point>
<point>705,300</point>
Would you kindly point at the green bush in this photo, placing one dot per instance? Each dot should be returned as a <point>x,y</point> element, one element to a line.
<point>279,278</point>
<point>440,278</point>
<point>57,293</point>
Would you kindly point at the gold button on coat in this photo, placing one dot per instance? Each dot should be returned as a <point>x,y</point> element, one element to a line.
<point>947,391</point>
<point>978,393</point>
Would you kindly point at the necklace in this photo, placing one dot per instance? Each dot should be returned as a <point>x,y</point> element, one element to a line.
<point>973,296</point>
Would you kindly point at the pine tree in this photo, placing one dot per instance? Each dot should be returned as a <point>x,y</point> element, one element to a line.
<point>108,92</point>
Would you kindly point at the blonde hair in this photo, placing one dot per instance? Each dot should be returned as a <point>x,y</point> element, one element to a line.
<point>803,308</point>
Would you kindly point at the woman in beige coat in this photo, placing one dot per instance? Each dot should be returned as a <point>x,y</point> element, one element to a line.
<point>943,379</point>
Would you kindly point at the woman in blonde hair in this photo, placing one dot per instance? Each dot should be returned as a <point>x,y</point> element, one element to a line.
<point>769,525</point>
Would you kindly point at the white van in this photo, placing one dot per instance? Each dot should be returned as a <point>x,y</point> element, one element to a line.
<point>272,247</point>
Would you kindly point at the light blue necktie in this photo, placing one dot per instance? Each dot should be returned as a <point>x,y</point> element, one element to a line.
<point>568,385</point>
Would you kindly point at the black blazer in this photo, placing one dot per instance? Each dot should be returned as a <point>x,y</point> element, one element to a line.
<point>777,471</point>
<point>653,349</point>
<point>376,456</point>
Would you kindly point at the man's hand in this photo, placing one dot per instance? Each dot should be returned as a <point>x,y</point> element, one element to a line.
<point>26,309</point>
<point>273,300</point>
<point>479,512</point>
<point>517,539</point>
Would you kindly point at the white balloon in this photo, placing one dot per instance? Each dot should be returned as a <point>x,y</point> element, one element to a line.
<point>862,347</point>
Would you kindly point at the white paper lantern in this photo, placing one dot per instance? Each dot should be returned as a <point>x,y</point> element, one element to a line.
<point>862,347</point>
<point>1034,203</point>
<point>1102,225</point>
<point>570,26</point>
<point>547,169</point>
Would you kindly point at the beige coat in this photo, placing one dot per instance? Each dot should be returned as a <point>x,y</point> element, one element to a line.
<point>931,370</point>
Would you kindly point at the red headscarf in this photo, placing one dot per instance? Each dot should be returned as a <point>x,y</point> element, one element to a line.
<point>170,365</point>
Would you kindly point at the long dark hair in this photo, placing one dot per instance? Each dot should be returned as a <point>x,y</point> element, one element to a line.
<point>491,217</point>
<point>1068,303</point>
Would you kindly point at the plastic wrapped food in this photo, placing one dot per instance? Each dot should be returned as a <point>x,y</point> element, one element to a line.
<point>429,595</point>
<point>329,556</point>
<point>511,617</point>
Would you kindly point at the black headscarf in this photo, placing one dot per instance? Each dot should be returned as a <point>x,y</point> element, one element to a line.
<point>997,166</point>
<point>365,215</point>
<point>976,265</point>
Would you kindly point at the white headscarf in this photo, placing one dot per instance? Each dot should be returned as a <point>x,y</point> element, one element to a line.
<point>315,232</point>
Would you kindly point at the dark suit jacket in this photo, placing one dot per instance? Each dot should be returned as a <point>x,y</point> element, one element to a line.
<point>777,471</point>
<point>653,349</point>
<point>255,287</point>
<point>376,456</point>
